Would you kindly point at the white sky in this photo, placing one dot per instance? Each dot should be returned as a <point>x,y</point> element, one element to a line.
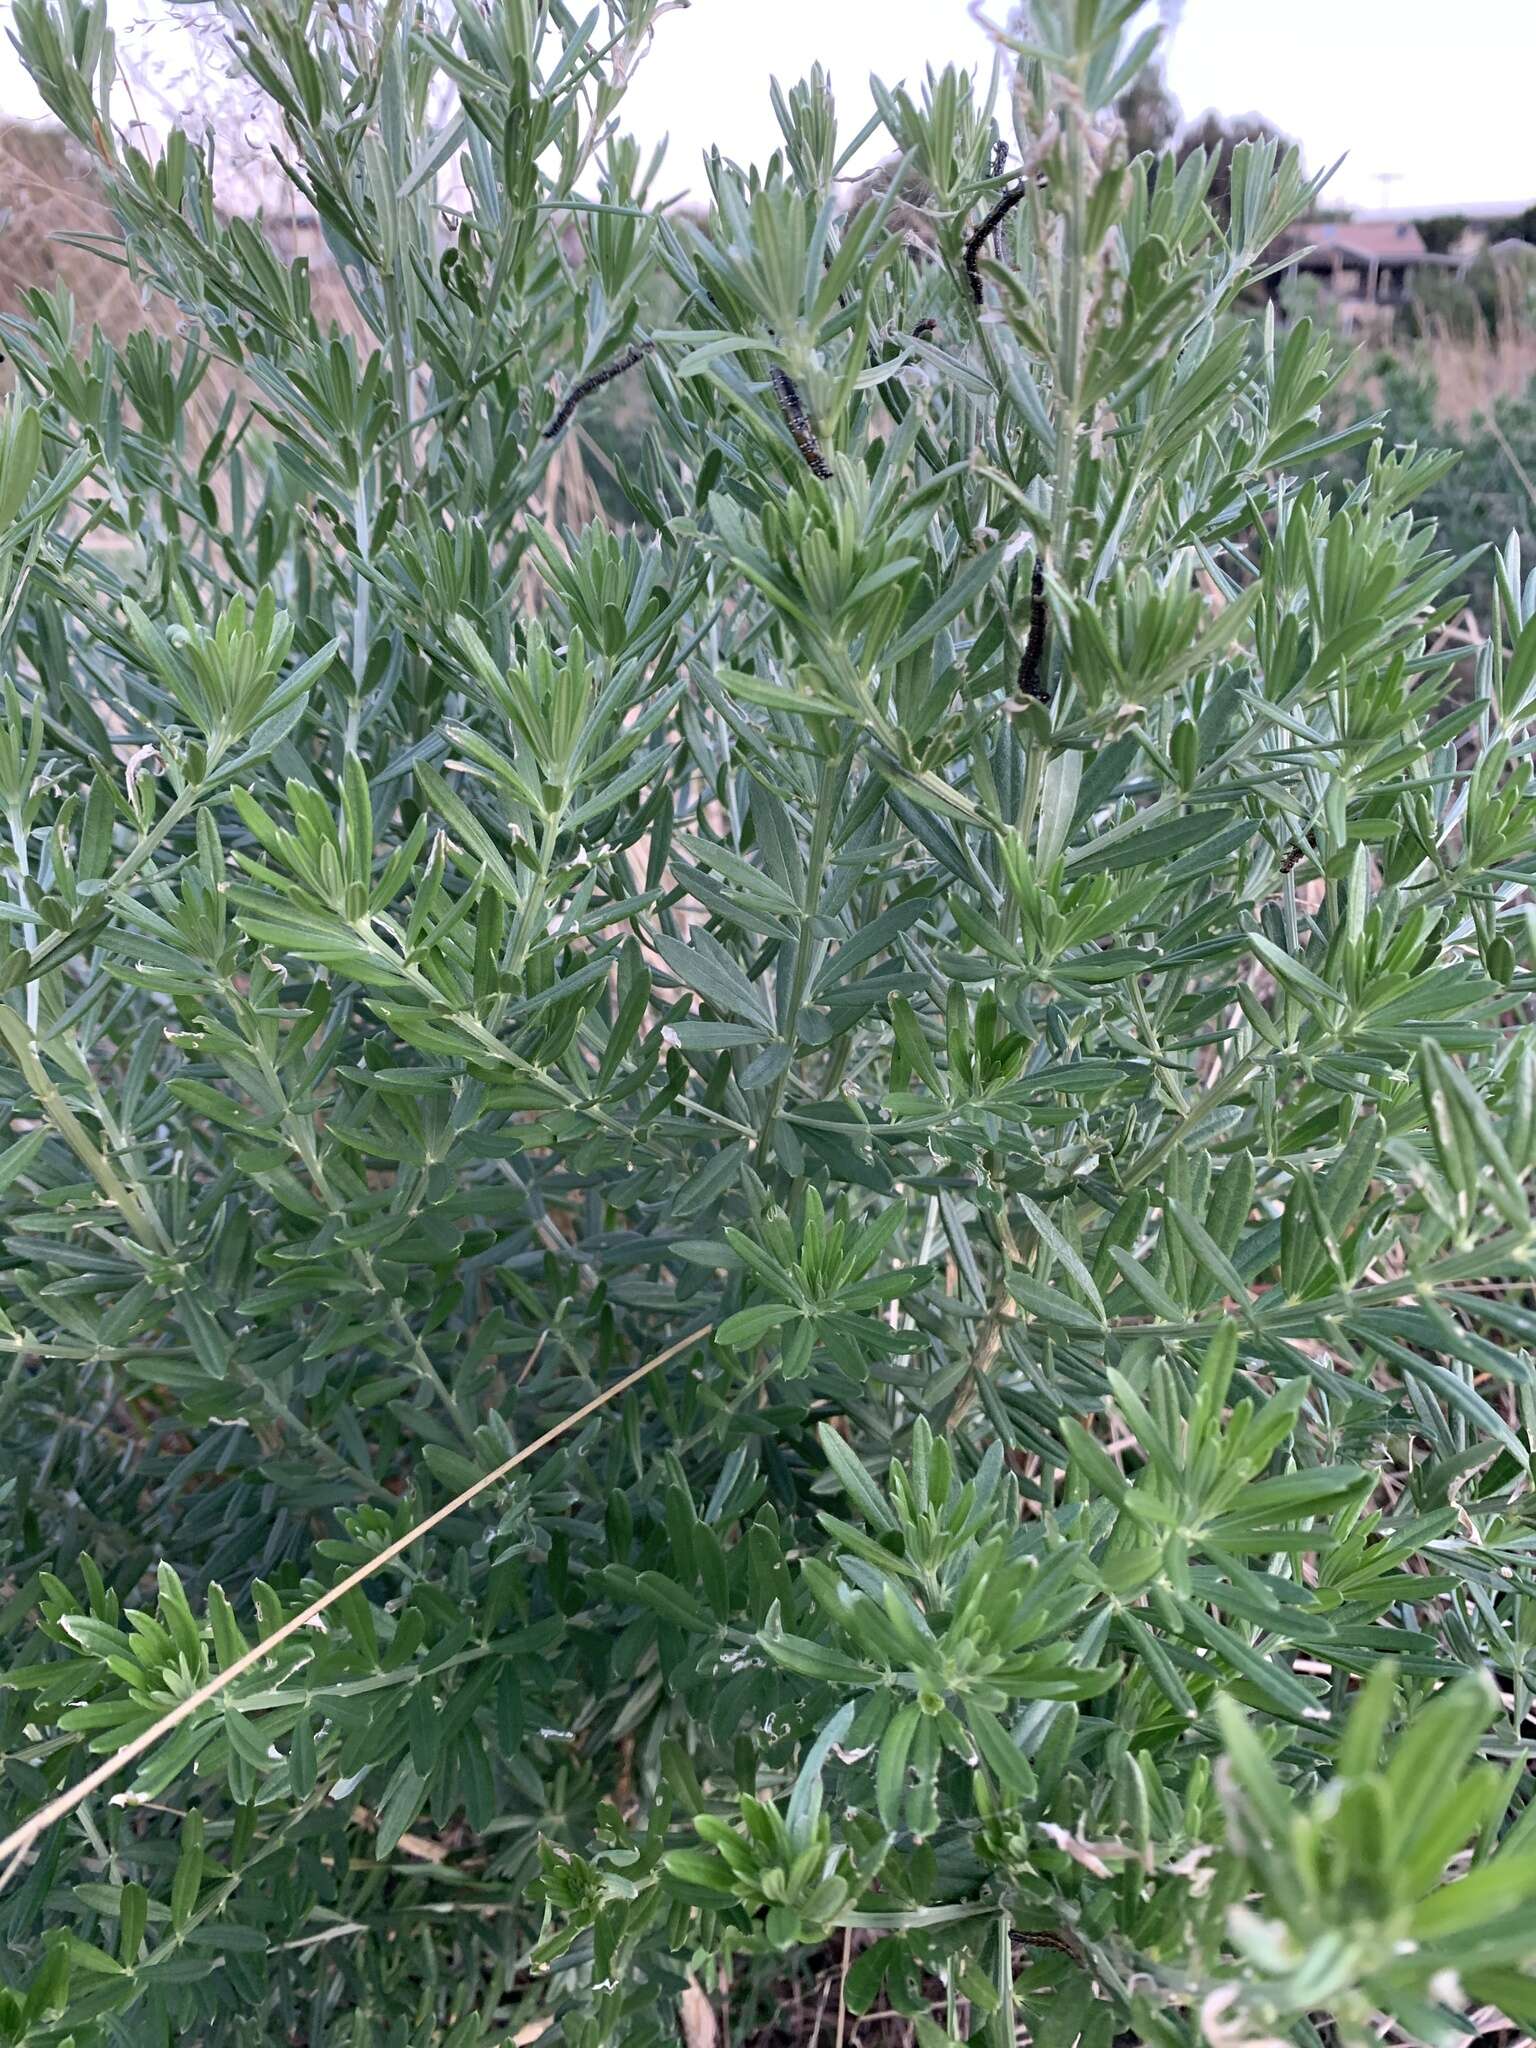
<point>1434,95</point>
<point>1430,98</point>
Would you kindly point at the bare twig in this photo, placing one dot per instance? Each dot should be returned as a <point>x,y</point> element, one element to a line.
<point>842,1987</point>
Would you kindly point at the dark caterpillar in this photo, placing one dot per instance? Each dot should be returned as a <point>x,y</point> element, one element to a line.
<point>998,166</point>
<point>799,426</point>
<point>924,328</point>
<point>994,219</point>
<point>632,355</point>
<point>1299,849</point>
<point>1030,683</point>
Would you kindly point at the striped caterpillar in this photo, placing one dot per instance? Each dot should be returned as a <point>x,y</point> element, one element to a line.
<point>632,355</point>
<point>994,219</point>
<point>1040,1937</point>
<point>924,328</point>
<point>1030,683</point>
<point>799,426</point>
<point>1293,858</point>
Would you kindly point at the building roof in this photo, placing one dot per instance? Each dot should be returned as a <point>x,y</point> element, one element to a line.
<point>1384,241</point>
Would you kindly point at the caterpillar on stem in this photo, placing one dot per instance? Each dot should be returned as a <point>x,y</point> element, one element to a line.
<point>994,219</point>
<point>999,165</point>
<point>636,353</point>
<point>1031,683</point>
<point>795,419</point>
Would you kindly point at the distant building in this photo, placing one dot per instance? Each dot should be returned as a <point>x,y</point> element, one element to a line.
<point>1368,266</point>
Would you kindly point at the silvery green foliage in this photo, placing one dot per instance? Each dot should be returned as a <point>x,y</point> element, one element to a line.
<point>1022,936</point>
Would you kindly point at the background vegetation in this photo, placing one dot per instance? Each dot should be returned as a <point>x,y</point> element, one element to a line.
<point>770,1241</point>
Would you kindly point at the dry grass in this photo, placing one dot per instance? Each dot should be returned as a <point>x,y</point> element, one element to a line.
<point>1472,373</point>
<point>50,193</point>
<point>1471,377</point>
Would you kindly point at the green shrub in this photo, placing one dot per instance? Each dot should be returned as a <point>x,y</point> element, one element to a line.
<point>822,1210</point>
<point>1485,486</point>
